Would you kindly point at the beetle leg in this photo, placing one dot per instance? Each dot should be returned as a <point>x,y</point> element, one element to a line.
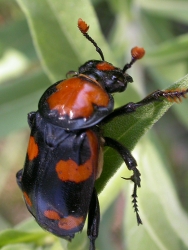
<point>170,95</point>
<point>131,165</point>
<point>93,220</point>
<point>30,118</point>
<point>19,178</point>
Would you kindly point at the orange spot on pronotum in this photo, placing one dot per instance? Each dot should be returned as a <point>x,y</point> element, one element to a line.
<point>33,149</point>
<point>137,52</point>
<point>105,66</point>
<point>82,25</point>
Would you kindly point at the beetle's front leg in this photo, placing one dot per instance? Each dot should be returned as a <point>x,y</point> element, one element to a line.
<point>132,165</point>
<point>170,95</point>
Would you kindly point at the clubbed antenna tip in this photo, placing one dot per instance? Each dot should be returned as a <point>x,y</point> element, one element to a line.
<point>136,53</point>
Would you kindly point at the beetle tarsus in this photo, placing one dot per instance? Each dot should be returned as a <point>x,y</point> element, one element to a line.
<point>136,179</point>
<point>135,205</point>
<point>173,95</point>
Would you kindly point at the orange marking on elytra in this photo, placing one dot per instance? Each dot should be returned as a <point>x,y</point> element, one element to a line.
<point>76,97</point>
<point>71,171</point>
<point>27,199</point>
<point>70,222</point>
<point>52,215</point>
<point>105,66</point>
<point>33,149</point>
<point>66,223</point>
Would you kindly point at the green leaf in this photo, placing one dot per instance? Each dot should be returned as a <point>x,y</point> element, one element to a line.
<point>167,8</point>
<point>18,247</point>
<point>15,35</point>
<point>129,128</point>
<point>13,236</point>
<point>174,50</point>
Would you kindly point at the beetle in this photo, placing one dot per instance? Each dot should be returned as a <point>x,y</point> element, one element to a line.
<point>65,151</point>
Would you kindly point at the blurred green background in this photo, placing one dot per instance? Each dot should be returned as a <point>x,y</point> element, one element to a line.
<point>161,27</point>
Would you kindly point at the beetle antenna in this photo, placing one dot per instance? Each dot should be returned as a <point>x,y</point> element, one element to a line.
<point>136,53</point>
<point>83,27</point>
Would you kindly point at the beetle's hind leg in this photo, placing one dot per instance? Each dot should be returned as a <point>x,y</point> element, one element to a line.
<point>93,220</point>
<point>131,165</point>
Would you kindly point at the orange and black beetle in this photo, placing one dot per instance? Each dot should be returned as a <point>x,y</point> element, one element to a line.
<point>65,151</point>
